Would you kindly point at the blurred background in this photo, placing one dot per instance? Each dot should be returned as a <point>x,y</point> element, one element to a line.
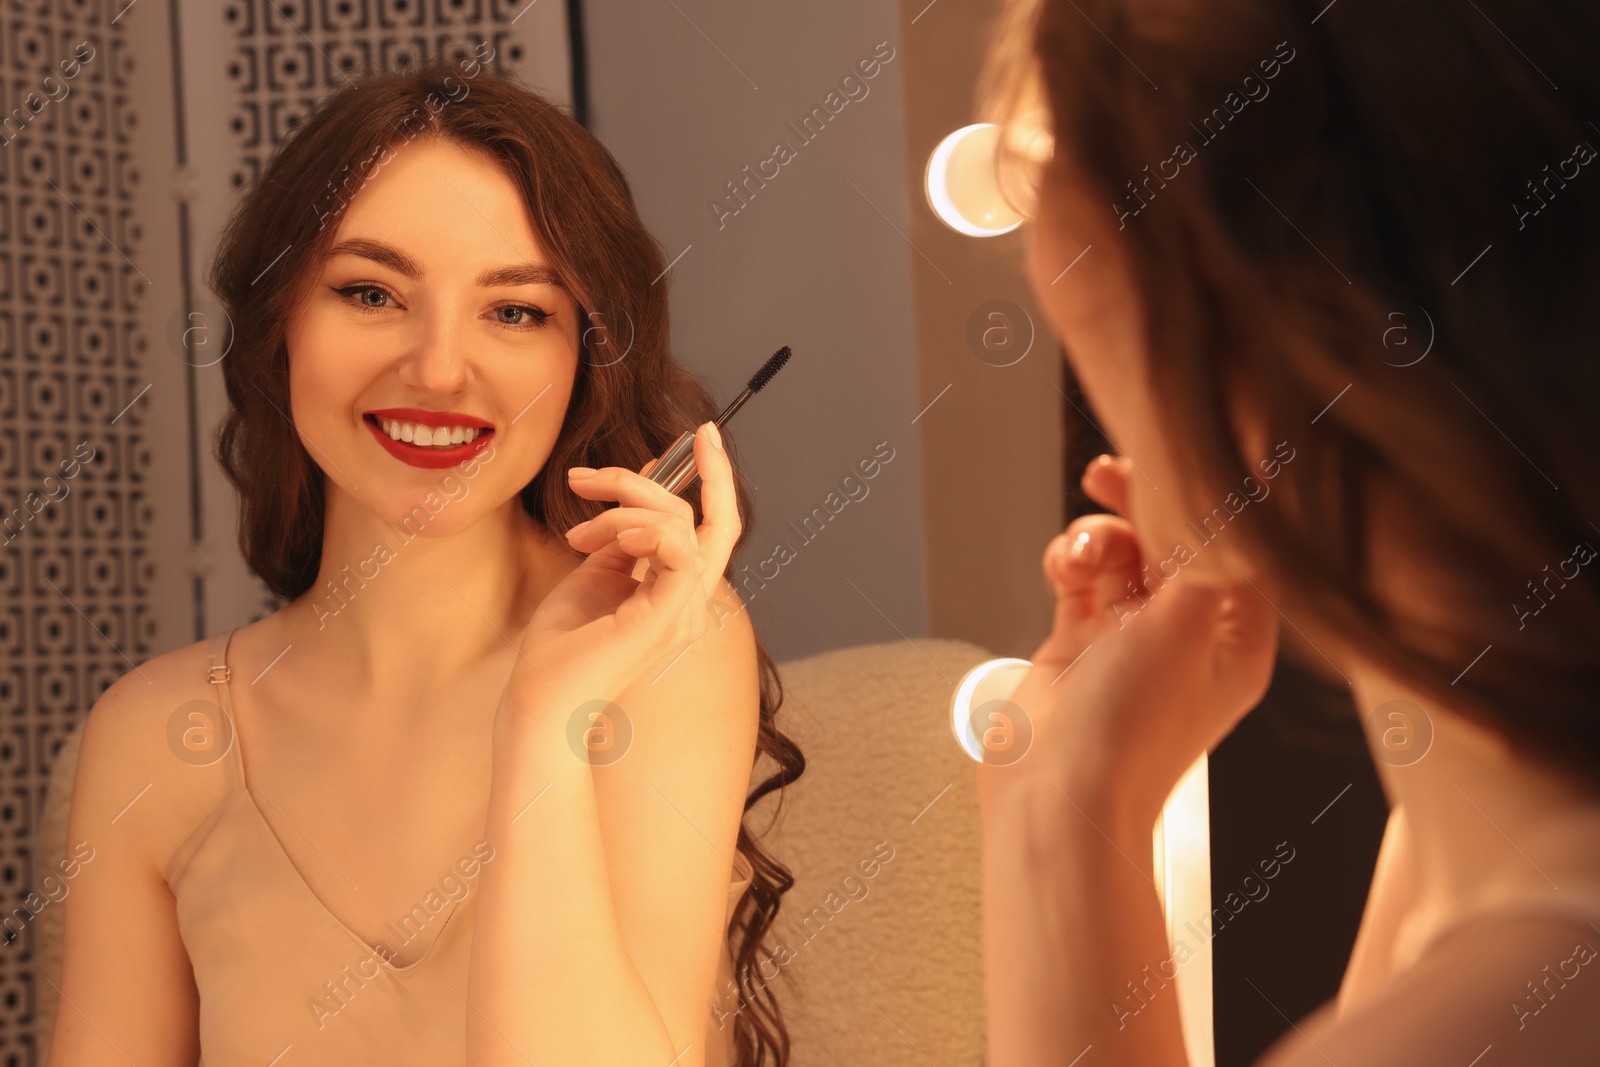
<point>909,340</point>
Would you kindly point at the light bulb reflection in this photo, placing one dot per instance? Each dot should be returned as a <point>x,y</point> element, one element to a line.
<point>962,186</point>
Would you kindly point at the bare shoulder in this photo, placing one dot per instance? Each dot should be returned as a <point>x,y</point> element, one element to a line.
<point>1526,987</point>
<point>729,639</point>
<point>151,757</point>
<point>727,649</point>
<point>730,620</point>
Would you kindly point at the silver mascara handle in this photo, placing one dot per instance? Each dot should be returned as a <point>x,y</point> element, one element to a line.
<point>676,465</point>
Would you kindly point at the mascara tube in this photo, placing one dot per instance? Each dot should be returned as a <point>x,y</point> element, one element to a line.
<point>675,468</point>
<point>676,465</point>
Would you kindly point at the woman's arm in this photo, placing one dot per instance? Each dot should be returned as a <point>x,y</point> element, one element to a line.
<point>1121,698</point>
<point>1073,935</point>
<point>600,919</point>
<point>127,990</point>
<point>670,813</point>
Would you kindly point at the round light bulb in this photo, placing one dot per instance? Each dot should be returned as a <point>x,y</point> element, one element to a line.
<point>995,679</point>
<point>961,183</point>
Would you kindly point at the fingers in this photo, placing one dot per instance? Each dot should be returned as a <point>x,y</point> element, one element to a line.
<point>719,504</point>
<point>628,488</point>
<point>663,541</point>
<point>599,531</point>
<point>1093,568</point>
<point>676,568</point>
<point>1105,480</point>
<point>1093,562</point>
<point>667,536</point>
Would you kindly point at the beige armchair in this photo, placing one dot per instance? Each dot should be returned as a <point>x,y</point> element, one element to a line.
<point>882,960</point>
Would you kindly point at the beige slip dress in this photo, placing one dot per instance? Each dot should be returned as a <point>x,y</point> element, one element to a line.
<point>283,982</point>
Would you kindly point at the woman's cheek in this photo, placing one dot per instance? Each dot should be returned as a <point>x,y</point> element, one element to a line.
<point>315,373</point>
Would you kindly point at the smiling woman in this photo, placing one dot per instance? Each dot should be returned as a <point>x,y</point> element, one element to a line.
<point>446,320</point>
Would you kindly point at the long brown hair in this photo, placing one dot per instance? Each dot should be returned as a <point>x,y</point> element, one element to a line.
<point>1359,178</point>
<point>625,408</point>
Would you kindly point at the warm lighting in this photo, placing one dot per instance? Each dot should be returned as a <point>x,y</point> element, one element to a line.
<point>974,191</point>
<point>985,684</point>
<point>962,186</point>
<point>1180,845</point>
<point>1182,848</point>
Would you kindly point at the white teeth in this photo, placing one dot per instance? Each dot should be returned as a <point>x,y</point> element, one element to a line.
<point>428,437</point>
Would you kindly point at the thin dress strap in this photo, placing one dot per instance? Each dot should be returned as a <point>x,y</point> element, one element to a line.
<point>204,733</point>
<point>219,675</point>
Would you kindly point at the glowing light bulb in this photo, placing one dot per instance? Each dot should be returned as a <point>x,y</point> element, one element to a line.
<point>962,186</point>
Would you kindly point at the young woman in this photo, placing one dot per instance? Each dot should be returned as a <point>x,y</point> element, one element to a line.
<point>1347,249</point>
<point>478,795</point>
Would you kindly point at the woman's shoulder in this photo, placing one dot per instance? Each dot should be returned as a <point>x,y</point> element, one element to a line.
<point>149,752</point>
<point>1524,984</point>
<point>149,692</point>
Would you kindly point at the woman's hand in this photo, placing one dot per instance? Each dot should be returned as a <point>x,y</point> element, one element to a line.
<point>1137,678</point>
<point>600,627</point>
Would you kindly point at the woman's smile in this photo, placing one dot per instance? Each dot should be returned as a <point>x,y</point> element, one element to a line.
<point>428,439</point>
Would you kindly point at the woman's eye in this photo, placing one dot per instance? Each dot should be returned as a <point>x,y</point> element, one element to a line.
<point>358,294</point>
<point>521,315</point>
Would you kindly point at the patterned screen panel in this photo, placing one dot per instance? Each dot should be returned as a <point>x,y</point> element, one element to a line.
<point>291,53</point>
<point>74,512</point>
<point>126,130</point>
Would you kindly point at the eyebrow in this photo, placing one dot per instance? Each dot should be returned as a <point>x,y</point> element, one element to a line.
<point>393,258</point>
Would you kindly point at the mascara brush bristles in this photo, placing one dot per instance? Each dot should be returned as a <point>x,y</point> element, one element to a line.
<point>768,369</point>
<point>757,381</point>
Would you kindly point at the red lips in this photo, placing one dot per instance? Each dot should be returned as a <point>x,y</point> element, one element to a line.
<point>419,455</point>
<point>431,418</point>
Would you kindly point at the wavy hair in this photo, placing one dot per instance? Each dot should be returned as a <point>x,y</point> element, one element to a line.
<point>1425,163</point>
<point>623,410</point>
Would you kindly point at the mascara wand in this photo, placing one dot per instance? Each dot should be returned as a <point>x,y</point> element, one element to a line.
<point>676,467</point>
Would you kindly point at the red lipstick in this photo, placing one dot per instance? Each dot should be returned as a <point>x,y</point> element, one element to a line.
<point>424,457</point>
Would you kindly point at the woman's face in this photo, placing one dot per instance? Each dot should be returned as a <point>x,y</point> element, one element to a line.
<point>436,297</point>
<point>1095,310</point>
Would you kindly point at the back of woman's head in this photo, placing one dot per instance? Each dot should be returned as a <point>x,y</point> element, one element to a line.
<point>1393,206</point>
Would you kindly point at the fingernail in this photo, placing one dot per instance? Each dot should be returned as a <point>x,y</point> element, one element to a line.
<point>581,472</point>
<point>630,530</point>
<point>580,526</point>
<point>715,433</point>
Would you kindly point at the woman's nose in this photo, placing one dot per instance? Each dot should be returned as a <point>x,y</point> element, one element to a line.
<point>440,359</point>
